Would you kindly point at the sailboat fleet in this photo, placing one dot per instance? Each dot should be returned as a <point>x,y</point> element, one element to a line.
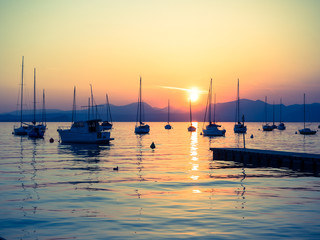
<point>94,130</point>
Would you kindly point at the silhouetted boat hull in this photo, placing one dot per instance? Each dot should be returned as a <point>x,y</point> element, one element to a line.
<point>84,132</point>
<point>281,126</point>
<point>142,129</point>
<point>307,131</point>
<point>213,130</point>
<point>267,128</point>
<point>240,128</point>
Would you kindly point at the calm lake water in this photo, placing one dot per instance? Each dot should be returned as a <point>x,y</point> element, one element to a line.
<point>55,191</point>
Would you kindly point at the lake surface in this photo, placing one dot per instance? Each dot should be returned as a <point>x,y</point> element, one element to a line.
<point>176,191</point>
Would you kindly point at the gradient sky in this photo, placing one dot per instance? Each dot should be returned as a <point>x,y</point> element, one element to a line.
<point>271,46</point>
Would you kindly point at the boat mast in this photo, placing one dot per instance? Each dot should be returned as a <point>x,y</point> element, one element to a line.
<point>210,99</point>
<point>92,112</point>
<point>74,105</point>
<point>238,107</point>
<point>168,111</point>
<point>190,113</point>
<point>44,120</point>
<point>88,109</point>
<point>304,110</point>
<point>140,105</point>
<point>34,96</point>
<point>21,104</point>
<point>108,109</point>
<point>265,109</point>
<point>273,113</point>
<point>214,109</point>
<point>280,110</point>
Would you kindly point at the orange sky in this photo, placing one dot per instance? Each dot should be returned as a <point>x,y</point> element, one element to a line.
<point>272,46</point>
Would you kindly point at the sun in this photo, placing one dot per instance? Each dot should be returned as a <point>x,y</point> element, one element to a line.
<point>193,94</point>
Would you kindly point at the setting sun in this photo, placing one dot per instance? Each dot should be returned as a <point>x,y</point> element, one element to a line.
<point>194,94</point>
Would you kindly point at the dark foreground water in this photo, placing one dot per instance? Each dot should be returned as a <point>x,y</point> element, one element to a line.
<point>54,191</point>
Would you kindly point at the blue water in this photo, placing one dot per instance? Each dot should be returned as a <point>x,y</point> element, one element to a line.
<point>176,191</point>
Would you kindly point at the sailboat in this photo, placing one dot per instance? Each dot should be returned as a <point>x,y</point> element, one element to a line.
<point>305,131</point>
<point>141,127</point>
<point>168,126</point>
<point>43,124</point>
<point>24,128</point>
<point>273,125</point>
<point>281,125</point>
<point>191,128</point>
<point>84,131</point>
<point>239,127</point>
<point>37,131</point>
<point>107,125</point>
<point>212,129</point>
<point>266,127</point>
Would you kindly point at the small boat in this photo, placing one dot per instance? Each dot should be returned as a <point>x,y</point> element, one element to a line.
<point>107,125</point>
<point>238,126</point>
<point>37,131</point>
<point>191,128</point>
<point>266,127</point>
<point>168,126</point>
<point>88,131</point>
<point>24,128</point>
<point>281,125</point>
<point>305,131</point>
<point>212,129</point>
<point>85,132</point>
<point>141,127</point>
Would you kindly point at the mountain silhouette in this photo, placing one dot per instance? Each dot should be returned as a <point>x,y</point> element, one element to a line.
<point>254,111</point>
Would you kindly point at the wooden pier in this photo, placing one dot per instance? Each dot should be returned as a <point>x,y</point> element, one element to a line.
<point>268,158</point>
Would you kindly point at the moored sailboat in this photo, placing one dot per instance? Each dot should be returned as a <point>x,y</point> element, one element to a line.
<point>168,126</point>
<point>305,131</point>
<point>141,127</point>
<point>191,128</point>
<point>37,130</point>
<point>281,125</point>
<point>238,126</point>
<point>266,127</point>
<point>212,129</point>
<point>107,125</point>
<point>24,128</point>
<point>274,126</point>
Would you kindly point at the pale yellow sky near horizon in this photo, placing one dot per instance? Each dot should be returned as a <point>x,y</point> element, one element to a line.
<point>271,46</point>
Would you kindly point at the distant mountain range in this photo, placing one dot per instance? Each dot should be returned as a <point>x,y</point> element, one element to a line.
<point>254,111</point>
